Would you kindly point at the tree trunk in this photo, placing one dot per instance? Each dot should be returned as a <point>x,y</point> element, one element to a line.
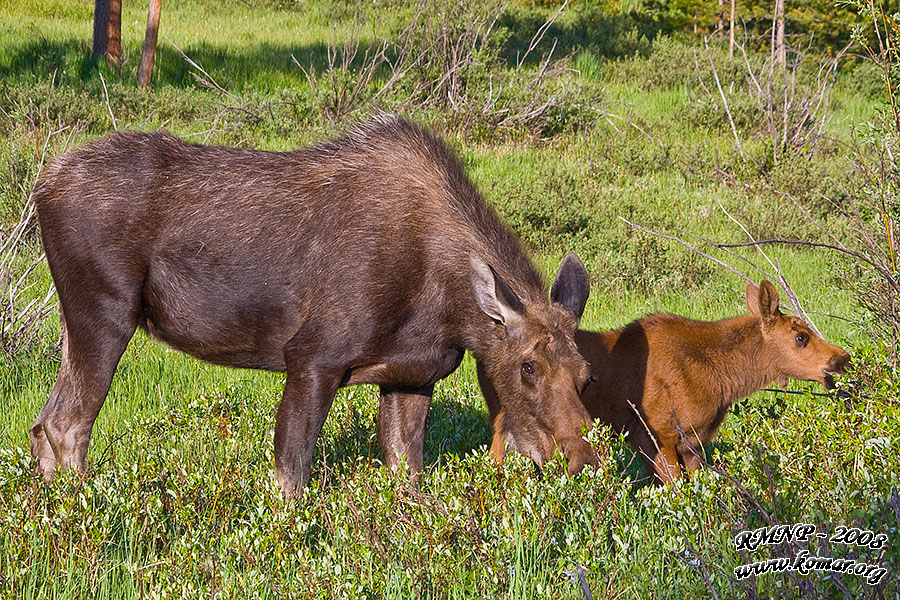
<point>731,32</point>
<point>107,31</point>
<point>148,54</point>
<point>101,28</point>
<point>720,18</point>
<point>780,54</point>
<point>114,34</point>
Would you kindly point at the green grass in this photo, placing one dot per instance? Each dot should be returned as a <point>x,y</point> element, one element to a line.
<point>226,40</point>
<point>180,499</point>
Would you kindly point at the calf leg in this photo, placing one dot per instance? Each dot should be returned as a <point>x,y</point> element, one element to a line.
<point>690,452</point>
<point>644,443</point>
<point>495,415</point>
<point>498,443</point>
<point>665,464</point>
<point>401,425</point>
<point>90,352</point>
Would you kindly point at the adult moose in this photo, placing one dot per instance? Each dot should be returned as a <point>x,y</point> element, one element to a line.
<point>368,259</point>
<point>664,372</point>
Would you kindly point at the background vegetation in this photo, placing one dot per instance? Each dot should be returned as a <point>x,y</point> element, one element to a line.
<point>618,110</point>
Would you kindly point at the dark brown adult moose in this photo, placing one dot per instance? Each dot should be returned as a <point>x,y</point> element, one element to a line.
<point>368,259</point>
<point>677,372</point>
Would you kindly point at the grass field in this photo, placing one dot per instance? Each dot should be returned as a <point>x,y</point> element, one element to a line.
<point>180,500</point>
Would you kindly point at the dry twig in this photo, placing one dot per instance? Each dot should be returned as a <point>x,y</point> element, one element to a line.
<point>19,324</point>
<point>777,275</point>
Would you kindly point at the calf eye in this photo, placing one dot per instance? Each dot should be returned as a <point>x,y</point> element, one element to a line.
<point>528,369</point>
<point>802,339</point>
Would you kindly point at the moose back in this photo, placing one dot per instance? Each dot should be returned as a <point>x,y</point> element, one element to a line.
<point>368,259</point>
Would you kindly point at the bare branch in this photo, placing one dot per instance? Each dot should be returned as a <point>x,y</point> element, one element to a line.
<point>208,80</point>
<point>539,34</point>
<point>20,324</point>
<point>712,63</point>
<point>792,297</point>
<point>690,247</point>
<point>108,107</point>
<point>857,255</point>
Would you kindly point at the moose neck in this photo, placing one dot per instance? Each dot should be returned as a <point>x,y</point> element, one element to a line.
<point>482,336</point>
<point>743,364</point>
<point>480,333</point>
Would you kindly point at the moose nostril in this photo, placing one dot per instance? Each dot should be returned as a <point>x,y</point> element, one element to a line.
<point>840,363</point>
<point>580,455</point>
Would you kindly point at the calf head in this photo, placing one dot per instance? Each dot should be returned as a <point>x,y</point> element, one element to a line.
<point>533,364</point>
<point>794,350</point>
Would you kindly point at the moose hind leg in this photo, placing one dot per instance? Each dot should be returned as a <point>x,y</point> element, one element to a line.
<point>61,433</point>
<point>401,425</point>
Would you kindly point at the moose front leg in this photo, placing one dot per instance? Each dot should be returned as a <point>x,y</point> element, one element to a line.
<point>91,349</point>
<point>308,394</point>
<point>401,425</point>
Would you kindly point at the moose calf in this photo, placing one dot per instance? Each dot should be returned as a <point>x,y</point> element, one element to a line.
<point>368,259</point>
<point>677,372</point>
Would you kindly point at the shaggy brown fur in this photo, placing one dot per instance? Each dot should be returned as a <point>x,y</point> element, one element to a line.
<point>368,259</point>
<point>680,371</point>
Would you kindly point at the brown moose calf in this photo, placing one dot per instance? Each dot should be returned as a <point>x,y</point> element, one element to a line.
<point>368,259</point>
<point>681,372</point>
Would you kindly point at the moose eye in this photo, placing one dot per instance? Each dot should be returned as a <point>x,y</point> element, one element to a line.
<point>528,369</point>
<point>802,339</point>
<point>587,382</point>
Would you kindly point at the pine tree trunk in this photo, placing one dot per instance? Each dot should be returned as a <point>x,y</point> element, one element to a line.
<point>101,28</point>
<point>731,32</point>
<point>148,54</point>
<point>780,54</point>
<point>720,18</point>
<point>114,34</point>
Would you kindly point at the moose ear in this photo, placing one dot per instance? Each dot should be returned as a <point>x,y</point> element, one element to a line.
<point>763,300</point>
<point>572,286</point>
<point>493,294</point>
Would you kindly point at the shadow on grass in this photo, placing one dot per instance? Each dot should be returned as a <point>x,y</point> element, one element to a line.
<point>234,70</point>
<point>606,36</point>
<point>453,429</point>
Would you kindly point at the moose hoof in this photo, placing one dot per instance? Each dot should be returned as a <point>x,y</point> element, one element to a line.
<point>291,485</point>
<point>42,453</point>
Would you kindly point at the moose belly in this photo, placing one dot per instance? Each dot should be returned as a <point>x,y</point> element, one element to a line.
<point>226,318</point>
<point>413,369</point>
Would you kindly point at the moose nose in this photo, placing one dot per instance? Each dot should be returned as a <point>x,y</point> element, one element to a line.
<point>579,455</point>
<point>839,363</point>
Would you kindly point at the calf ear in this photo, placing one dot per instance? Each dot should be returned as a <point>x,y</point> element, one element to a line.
<point>751,297</point>
<point>763,300</point>
<point>493,294</point>
<point>572,286</point>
